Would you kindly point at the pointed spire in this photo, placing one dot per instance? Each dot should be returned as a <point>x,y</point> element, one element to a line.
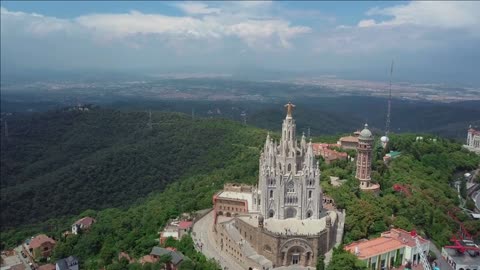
<point>303,143</point>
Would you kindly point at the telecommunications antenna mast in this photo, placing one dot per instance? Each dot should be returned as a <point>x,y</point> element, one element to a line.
<point>385,139</point>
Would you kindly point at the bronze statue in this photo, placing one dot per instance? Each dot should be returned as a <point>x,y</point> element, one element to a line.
<point>289,107</point>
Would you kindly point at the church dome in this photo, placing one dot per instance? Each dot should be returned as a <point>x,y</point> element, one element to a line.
<point>366,133</point>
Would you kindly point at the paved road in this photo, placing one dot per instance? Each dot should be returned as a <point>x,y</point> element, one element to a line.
<point>440,260</point>
<point>203,234</point>
<point>25,262</point>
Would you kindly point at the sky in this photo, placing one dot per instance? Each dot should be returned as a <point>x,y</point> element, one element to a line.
<point>432,41</point>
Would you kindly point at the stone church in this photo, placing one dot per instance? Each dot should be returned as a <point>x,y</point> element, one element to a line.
<point>280,222</point>
<point>289,181</point>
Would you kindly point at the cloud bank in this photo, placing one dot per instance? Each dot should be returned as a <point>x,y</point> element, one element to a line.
<point>245,33</point>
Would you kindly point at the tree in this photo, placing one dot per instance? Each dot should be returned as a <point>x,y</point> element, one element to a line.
<point>320,263</point>
<point>187,265</point>
<point>463,188</point>
<point>344,260</point>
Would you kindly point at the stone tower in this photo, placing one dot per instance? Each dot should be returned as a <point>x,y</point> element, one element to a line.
<point>289,177</point>
<point>364,159</point>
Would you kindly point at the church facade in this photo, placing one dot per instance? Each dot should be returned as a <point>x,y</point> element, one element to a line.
<point>281,221</point>
<point>289,177</point>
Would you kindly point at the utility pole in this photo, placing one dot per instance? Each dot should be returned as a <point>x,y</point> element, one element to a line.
<point>6,129</point>
<point>244,115</point>
<point>149,119</point>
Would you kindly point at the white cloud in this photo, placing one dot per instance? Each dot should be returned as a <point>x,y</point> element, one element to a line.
<point>366,23</point>
<point>33,23</point>
<point>443,14</point>
<point>210,24</point>
<point>411,28</point>
<point>194,8</point>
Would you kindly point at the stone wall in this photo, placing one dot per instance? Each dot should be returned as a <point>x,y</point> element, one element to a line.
<point>280,249</point>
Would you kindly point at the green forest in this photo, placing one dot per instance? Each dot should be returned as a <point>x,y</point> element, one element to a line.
<point>133,177</point>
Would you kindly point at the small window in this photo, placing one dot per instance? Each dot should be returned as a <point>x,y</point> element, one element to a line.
<point>309,194</point>
<point>289,167</point>
<point>271,193</point>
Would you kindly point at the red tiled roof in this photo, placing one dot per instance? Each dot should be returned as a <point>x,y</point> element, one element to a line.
<point>39,240</point>
<point>349,139</point>
<point>126,256</point>
<point>185,224</point>
<point>86,222</point>
<point>148,259</point>
<point>388,241</point>
<point>47,267</point>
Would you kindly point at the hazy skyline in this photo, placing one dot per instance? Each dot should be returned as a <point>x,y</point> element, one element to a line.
<point>436,40</point>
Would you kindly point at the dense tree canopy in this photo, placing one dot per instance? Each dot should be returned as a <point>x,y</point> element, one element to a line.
<point>133,179</point>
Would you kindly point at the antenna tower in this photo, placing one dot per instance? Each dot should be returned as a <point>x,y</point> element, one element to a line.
<point>387,125</point>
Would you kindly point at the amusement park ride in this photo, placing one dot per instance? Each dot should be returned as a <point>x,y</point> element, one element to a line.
<point>462,241</point>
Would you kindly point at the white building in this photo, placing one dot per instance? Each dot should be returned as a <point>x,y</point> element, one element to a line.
<point>289,176</point>
<point>394,246</point>
<point>473,140</point>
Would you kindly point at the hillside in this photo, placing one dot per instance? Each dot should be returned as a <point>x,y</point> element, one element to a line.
<point>63,162</point>
<point>134,179</point>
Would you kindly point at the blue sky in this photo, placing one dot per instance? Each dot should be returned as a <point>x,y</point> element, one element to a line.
<point>439,38</point>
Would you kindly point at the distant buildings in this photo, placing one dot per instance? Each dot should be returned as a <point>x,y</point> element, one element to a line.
<point>176,257</point>
<point>348,142</point>
<point>394,247</point>
<point>82,224</point>
<point>390,156</point>
<point>364,160</point>
<point>69,263</point>
<point>329,155</point>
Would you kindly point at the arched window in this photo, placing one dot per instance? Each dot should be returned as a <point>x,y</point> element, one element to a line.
<point>309,213</point>
<point>289,167</point>
<point>309,194</point>
<point>271,193</point>
<point>271,213</point>
<point>267,248</point>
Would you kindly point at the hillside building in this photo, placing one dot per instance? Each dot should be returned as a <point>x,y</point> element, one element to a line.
<point>364,160</point>
<point>69,263</point>
<point>394,246</point>
<point>82,224</point>
<point>329,155</point>
<point>473,140</point>
<point>280,222</point>
<point>348,142</point>
<point>40,246</point>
